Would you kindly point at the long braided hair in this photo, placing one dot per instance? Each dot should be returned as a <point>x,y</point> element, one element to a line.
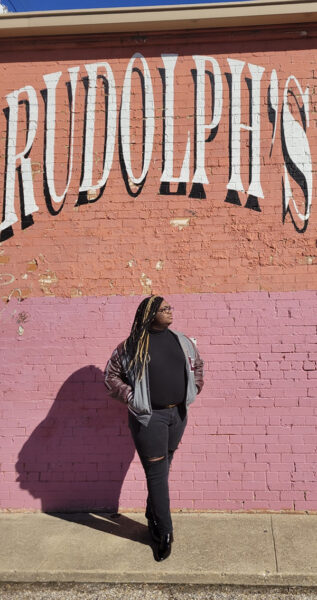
<point>137,344</point>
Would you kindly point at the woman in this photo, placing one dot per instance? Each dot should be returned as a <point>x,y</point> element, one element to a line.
<point>157,373</point>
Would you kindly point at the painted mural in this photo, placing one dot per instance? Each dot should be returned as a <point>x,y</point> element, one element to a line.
<point>182,164</point>
<point>297,168</point>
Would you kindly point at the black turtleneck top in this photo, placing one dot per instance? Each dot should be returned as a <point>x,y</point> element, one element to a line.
<point>167,369</point>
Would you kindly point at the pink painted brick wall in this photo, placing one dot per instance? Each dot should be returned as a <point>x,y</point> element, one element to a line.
<point>251,438</point>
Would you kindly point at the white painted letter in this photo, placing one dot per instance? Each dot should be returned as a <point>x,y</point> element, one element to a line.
<point>201,126</point>
<point>51,82</point>
<point>90,127</point>
<point>169,61</point>
<point>273,104</point>
<point>296,151</point>
<point>235,182</point>
<point>29,204</point>
<point>148,120</point>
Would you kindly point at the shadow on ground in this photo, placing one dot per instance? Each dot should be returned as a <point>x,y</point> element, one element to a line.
<point>114,524</point>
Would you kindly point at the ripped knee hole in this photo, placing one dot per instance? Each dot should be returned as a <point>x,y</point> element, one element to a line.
<point>155,459</point>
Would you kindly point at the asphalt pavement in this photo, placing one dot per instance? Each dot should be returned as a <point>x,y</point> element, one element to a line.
<point>147,591</point>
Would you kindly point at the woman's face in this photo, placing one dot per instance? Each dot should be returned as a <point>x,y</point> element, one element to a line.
<point>163,317</point>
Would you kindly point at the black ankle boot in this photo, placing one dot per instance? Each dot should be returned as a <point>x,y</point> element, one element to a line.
<point>154,530</point>
<point>165,546</point>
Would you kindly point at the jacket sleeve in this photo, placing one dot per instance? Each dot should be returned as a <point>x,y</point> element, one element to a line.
<point>114,379</point>
<point>198,371</point>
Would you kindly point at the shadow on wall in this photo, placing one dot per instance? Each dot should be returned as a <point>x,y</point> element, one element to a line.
<point>77,458</point>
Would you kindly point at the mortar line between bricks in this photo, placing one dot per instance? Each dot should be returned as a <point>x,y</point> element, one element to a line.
<point>274,545</point>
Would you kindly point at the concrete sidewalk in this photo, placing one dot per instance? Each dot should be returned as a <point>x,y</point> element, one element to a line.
<point>209,548</point>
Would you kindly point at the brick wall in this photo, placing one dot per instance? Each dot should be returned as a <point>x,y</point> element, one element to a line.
<point>251,438</point>
<point>235,255</point>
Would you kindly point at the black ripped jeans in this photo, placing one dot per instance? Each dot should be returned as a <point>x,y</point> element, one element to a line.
<point>159,439</point>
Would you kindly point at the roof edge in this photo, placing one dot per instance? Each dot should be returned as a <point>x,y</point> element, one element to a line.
<point>157,18</point>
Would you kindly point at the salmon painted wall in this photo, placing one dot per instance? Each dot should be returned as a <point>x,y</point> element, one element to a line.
<point>182,164</point>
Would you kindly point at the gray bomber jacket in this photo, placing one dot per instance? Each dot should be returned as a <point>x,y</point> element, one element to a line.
<point>136,393</point>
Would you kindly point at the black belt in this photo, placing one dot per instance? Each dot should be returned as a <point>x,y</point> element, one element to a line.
<point>162,407</point>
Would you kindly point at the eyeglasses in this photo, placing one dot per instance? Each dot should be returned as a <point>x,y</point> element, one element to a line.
<point>166,309</point>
